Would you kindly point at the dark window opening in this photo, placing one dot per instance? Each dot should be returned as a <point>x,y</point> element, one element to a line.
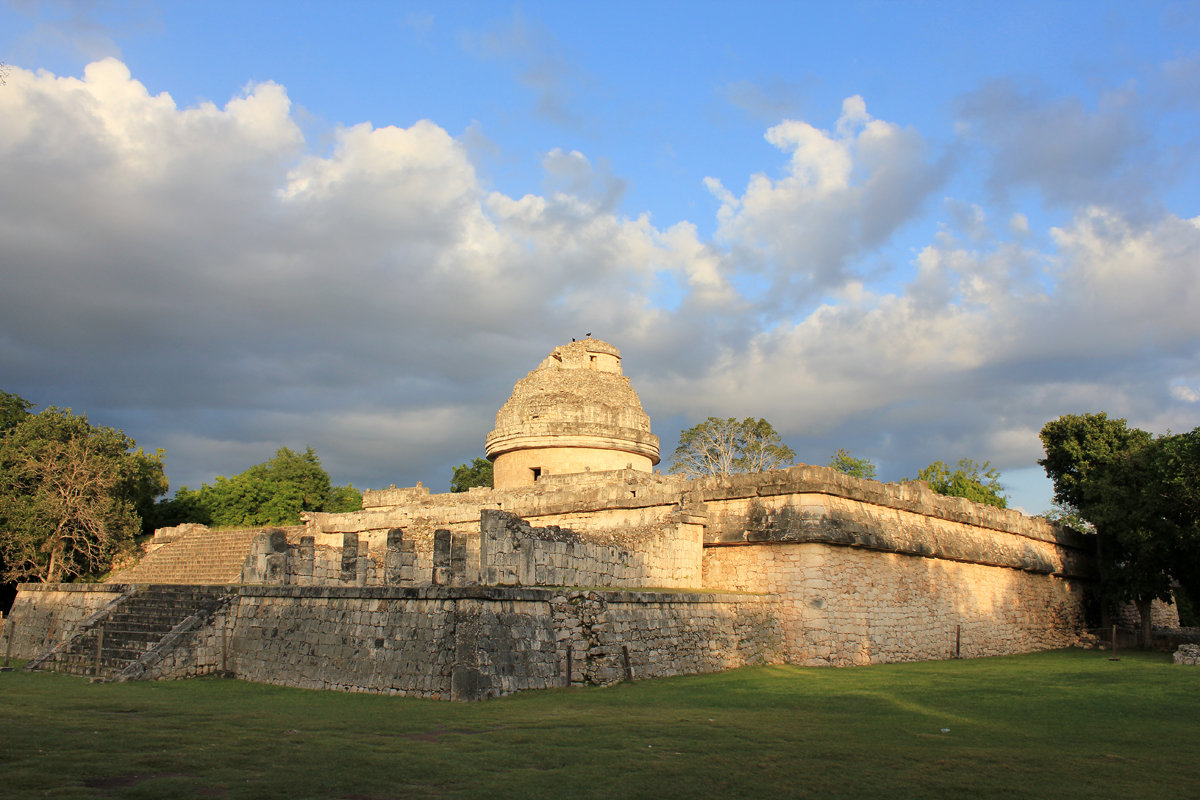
<point>537,473</point>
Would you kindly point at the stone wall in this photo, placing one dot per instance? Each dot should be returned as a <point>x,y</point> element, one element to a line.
<point>442,642</point>
<point>48,614</point>
<point>841,605</point>
<point>1162,615</point>
<point>664,634</point>
<point>405,596</point>
<point>504,550</point>
<point>778,504</point>
<point>601,500</point>
<point>470,643</point>
<point>513,553</point>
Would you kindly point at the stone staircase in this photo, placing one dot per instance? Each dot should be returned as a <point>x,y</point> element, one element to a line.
<point>199,557</point>
<point>122,640</point>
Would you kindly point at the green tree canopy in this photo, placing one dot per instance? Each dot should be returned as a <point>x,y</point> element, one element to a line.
<point>1141,494</point>
<point>727,446</point>
<point>842,461</point>
<point>13,409</point>
<point>70,494</point>
<point>969,479</point>
<point>468,476</point>
<point>272,493</point>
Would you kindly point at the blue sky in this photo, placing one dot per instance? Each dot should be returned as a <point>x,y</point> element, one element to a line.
<point>915,230</point>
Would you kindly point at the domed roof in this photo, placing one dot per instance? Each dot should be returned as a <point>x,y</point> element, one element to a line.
<point>577,397</point>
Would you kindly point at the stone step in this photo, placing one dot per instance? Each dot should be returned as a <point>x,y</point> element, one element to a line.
<point>196,557</point>
<point>133,628</point>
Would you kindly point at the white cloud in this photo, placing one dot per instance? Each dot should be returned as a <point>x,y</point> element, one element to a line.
<point>845,192</point>
<point>1185,394</point>
<point>973,357</point>
<point>196,276</point>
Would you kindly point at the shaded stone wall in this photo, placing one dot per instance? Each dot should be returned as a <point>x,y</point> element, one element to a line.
<point>44,615</point>
<point>450,643</point>
<point>842,605</point>
<point>664,634</point>
<point>1162,615</point>
<point>470,643</point>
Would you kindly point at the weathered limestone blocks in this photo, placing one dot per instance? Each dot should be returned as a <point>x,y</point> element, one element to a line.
<point>466,643</point>
<point>847,605</point>
<point>581,501</point>
<point>1188,654</point>
<point>1162,615</point>
<point>513,553</point>
<point>462,643</point>
<point>268,558</point>
<point>811,483</point>
<point>345,638</point>
<point>167,535</point>
<point>194,554</point>
<point>48,614</point>
<point>819,505</point>
<point>575,412</point>
<point>606,637</point>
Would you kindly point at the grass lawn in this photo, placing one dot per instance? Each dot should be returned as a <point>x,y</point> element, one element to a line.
<point>1061,724</point>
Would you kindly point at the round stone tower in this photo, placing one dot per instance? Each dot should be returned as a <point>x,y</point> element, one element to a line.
<point>576,412</point>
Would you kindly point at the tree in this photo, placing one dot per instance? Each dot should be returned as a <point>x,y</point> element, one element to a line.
<point>977,482</point>
<point>1113,475</point>
<point>1175,488</point>
<point>13,409</point>
<point>343,498</point>
<point>1069,516</point>
<point>143,483</point>
<point>467,476</point>
<point>272,493</point>
<point>842,461</point>
<point>727,446</point>
<point>69,495</point>
<point>185,506</point>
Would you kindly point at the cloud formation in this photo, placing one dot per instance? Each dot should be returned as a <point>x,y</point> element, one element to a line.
<point>844,192</point>
<point>202,278</point>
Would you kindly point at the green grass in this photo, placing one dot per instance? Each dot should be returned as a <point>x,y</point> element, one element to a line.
<point>1062,724</point>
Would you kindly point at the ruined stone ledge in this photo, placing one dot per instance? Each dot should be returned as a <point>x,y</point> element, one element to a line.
<point>512,593</point>
<point>963,551</point>
<point>914,496</point>
<point>452,512</point>
<point>577,491</point>
<point>571,434</point>
<point>114,588</point>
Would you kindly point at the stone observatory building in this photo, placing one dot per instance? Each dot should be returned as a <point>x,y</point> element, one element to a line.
<point>580,566</point>
<point>575,413</point>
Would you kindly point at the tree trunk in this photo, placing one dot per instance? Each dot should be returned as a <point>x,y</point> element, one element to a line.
<point>1143,607</point>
